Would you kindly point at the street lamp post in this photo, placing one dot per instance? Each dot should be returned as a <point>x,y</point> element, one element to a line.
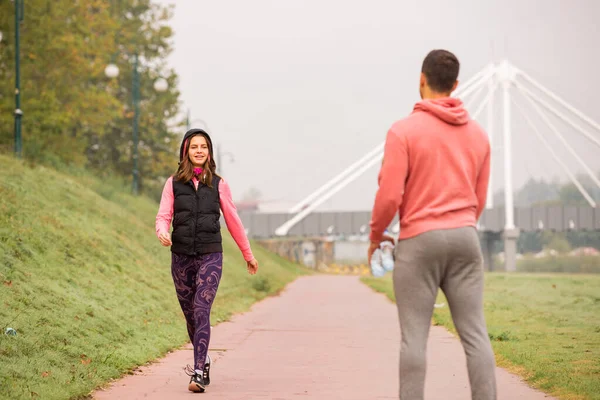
<point>189,122</point>
<point>18,112</point>
<point>160,85</point>
<point>136,120</point>
<point>219,159</point>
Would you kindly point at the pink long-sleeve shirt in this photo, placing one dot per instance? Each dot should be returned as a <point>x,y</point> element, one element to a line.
<point>232,219</point>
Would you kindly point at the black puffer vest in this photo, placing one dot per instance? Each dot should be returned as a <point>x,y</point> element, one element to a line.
<point>196,214</point>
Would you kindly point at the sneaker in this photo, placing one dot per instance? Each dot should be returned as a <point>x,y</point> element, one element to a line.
<point>196,384</point>
<point>206,372</point>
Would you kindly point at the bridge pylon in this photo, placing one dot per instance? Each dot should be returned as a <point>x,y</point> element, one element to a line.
<point>493,78</point>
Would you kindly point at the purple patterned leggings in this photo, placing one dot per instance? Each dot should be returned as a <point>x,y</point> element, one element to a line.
<point>196,282</point>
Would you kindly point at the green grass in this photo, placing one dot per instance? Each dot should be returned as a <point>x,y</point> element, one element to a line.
<point>87,286</point>
<point>545,328</point>
<point>559,264</point>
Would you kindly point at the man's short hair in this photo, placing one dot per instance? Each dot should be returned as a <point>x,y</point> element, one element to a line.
<point>441,70</point>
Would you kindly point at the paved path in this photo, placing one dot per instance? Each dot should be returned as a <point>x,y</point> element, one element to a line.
<point>313,342</point>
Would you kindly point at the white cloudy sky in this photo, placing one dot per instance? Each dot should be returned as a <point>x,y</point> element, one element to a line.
<point>297,90</point>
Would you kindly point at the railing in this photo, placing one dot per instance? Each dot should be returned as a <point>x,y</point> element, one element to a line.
<point>551,218</point>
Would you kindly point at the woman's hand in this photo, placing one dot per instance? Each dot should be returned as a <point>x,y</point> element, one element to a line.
<point>165,239</point>
<point>252,266</point>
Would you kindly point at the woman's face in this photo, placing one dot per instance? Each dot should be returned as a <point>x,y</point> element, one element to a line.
<point>198,151</point>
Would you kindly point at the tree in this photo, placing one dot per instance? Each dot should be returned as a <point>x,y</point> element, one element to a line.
<point>62,44</point>
<point>557,241</point>
<point>253,194</point>
<point>74,114</point>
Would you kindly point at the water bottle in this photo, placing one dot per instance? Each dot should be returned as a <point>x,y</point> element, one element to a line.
<point>387,256</point>
<point>376,267</point>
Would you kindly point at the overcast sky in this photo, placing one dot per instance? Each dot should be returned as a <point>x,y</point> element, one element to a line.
<point>297,90</point>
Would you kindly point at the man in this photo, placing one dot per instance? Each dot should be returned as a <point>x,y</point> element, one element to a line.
<point>435,174</point>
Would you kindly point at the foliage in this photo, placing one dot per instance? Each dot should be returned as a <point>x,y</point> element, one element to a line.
<point>540,193</point>
<point>560,264</point>
<point>75,115</point>
<point>252,194</point>
<point>534,242</point>
<point>537,192</point>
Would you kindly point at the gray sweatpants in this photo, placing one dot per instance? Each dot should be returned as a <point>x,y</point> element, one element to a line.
<point>451,260</point>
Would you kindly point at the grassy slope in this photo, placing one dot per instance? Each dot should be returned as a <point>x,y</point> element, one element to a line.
<point>545,328</point>
<point>87,286</point>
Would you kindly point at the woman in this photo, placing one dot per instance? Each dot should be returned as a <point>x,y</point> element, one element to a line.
<point>192,199</point>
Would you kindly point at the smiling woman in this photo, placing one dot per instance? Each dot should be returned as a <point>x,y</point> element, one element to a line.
<point>199,152</point>
<point>193,200</point>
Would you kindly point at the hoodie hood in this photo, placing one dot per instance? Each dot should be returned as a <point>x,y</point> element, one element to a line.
<point>188,135</point>
<point>448,109</point>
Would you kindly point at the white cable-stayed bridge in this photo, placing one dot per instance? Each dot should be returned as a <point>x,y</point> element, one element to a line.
<point>518,93</point>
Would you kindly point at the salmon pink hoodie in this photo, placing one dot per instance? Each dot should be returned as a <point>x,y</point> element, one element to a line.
<point>435,171</point>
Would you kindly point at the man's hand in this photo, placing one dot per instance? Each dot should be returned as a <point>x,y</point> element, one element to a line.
<point>165,239</point>
<point>252,266</point>
<point>374,246</point>
<point>387,238</point>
